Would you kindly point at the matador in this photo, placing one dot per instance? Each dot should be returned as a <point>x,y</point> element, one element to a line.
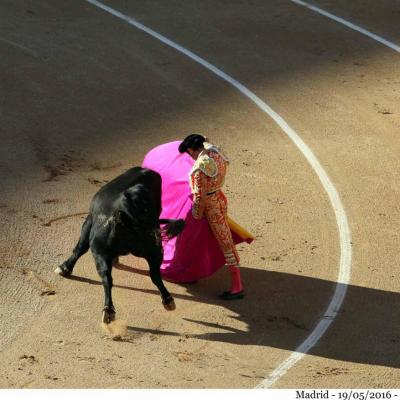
<point>206,179</point>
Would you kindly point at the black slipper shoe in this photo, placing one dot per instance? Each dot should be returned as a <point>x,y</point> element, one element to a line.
<point>232,296</point>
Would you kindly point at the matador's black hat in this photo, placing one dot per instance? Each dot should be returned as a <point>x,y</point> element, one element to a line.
<point>193,141</point>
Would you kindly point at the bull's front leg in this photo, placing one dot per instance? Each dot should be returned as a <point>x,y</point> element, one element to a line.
<point>155,260</point>
<point>104,267</point>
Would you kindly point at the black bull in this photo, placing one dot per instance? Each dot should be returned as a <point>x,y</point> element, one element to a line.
<point>124,219</point>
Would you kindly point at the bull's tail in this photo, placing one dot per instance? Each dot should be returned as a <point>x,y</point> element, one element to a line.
<point>173,227</point>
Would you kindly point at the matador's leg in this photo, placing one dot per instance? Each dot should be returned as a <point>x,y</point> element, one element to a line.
<point>216,213</point>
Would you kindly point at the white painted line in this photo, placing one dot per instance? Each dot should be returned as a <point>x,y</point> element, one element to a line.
<point>350,25</point>
<point>23,48</point>
<point>341,218</point>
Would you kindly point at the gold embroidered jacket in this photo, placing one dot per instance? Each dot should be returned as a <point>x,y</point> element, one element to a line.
<point>207,176</point>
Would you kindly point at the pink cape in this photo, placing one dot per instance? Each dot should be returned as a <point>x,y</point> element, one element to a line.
<point>195,253</point>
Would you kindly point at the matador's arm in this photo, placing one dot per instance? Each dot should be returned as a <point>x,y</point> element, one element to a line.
<point>199,194</point>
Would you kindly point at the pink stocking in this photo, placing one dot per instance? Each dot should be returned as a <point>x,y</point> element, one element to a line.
<point>235,279</point>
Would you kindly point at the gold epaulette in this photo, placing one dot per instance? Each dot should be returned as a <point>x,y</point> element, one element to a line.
<point>206,165</point>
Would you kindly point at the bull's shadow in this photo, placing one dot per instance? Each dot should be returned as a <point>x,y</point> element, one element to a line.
<point>281,309</point>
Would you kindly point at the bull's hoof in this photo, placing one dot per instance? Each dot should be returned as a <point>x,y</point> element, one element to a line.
<point>108,316</point>
<point>62,270</point>
<point>169,305</point>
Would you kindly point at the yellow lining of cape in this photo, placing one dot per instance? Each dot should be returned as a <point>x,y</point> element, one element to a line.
<point>239,230</point>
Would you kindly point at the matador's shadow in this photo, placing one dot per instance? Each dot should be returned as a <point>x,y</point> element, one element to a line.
<point>281,309</point>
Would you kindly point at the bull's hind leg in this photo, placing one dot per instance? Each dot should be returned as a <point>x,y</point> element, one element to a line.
<point>155,261</point>
<point>66,268</point>
<point>104,267</point>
